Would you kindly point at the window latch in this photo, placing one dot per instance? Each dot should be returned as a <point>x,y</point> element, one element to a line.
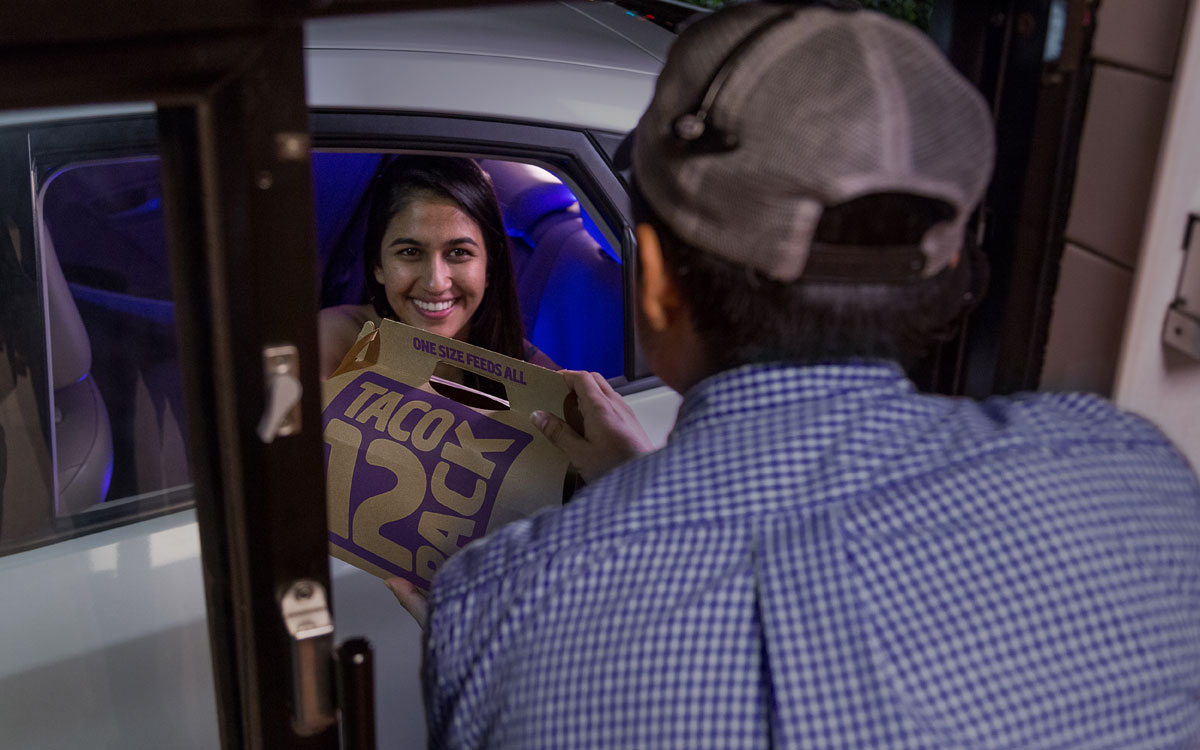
<point>281,374</point>
<point>310,626</point>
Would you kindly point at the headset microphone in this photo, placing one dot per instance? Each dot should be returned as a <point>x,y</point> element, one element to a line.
<point>696,131</point>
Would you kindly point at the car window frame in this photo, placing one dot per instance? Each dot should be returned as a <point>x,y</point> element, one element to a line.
<point>576,154</point>
<point>581,157</point>
<point>50,145</point>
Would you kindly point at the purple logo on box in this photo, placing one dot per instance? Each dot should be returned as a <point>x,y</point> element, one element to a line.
<point>411,476</point>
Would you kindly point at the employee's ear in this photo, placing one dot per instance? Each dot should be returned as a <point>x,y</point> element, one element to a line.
<point>657,293</point>
<point>378,273</point>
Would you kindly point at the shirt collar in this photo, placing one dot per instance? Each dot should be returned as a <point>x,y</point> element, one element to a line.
<point>758,387</point>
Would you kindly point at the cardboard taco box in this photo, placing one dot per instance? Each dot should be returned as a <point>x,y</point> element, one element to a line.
<point>414,474</point>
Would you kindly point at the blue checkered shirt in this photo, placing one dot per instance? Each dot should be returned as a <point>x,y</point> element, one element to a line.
<point>821,557</point>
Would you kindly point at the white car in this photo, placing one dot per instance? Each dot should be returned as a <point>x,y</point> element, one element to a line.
<point>104,626</point>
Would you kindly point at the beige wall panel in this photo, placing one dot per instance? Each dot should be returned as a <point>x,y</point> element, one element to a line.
<point>1142,34</point>
<point>1117,158</point>
<point>1087,324</point>
<point>1155,380</point>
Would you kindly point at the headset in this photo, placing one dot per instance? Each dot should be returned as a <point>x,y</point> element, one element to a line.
<point>695,130</point>
<point>698,133</point>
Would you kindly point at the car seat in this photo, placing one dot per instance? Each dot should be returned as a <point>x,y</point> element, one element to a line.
<point>341,192</point>
<point>570,288</point>
<point>102,232</point>
<point>82,433</point>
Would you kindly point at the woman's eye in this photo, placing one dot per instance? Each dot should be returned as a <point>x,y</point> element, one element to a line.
<point>408,252</point>
<point>460,252</point>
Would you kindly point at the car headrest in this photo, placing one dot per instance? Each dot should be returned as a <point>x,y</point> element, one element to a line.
<point>530,205</point>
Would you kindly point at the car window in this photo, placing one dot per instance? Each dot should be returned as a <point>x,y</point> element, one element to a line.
<point>88,339</point>
<point>93,424</point>
<point>102,223</point>
<point>94,419</point>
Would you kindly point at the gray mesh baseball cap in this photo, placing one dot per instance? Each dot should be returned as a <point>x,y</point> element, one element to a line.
<point>766,114</point>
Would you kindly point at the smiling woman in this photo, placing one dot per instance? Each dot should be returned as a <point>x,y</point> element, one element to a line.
<point>433,265</point>
<point>435,256</point>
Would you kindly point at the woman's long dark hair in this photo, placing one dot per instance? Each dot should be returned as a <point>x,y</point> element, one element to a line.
<point>496,324</point>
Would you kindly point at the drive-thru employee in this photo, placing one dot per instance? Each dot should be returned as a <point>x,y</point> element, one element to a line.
<point>821,556</point>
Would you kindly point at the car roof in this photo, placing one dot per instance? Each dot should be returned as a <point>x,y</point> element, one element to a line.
<point>599,34</point>
<point>586,64</point>
<point>581,64</point>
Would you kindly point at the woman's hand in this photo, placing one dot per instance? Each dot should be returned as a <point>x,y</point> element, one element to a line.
<point>611,433</point>
<point>411,598</point>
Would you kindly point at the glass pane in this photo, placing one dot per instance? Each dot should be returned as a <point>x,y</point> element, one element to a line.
<point>102,225</point>
<point>105,610</point>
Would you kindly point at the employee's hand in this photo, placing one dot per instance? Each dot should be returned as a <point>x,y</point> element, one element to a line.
<point>411,598</point>
<point>611,433</point>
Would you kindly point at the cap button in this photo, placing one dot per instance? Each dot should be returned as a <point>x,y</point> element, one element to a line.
<point>689,127</point>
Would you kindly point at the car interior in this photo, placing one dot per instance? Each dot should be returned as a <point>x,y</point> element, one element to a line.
<point>119,425</point>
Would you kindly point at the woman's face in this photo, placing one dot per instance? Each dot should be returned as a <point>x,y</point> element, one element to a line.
<point>433,266</point>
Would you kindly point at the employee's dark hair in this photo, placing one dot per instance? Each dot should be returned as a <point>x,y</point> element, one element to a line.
<point>496,324</point>
<point>745,316</point>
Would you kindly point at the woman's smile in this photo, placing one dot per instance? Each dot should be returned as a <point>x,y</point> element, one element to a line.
<point>439,309</point>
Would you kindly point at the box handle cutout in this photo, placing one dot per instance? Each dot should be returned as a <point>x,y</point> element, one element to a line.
<point>469,388</point>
